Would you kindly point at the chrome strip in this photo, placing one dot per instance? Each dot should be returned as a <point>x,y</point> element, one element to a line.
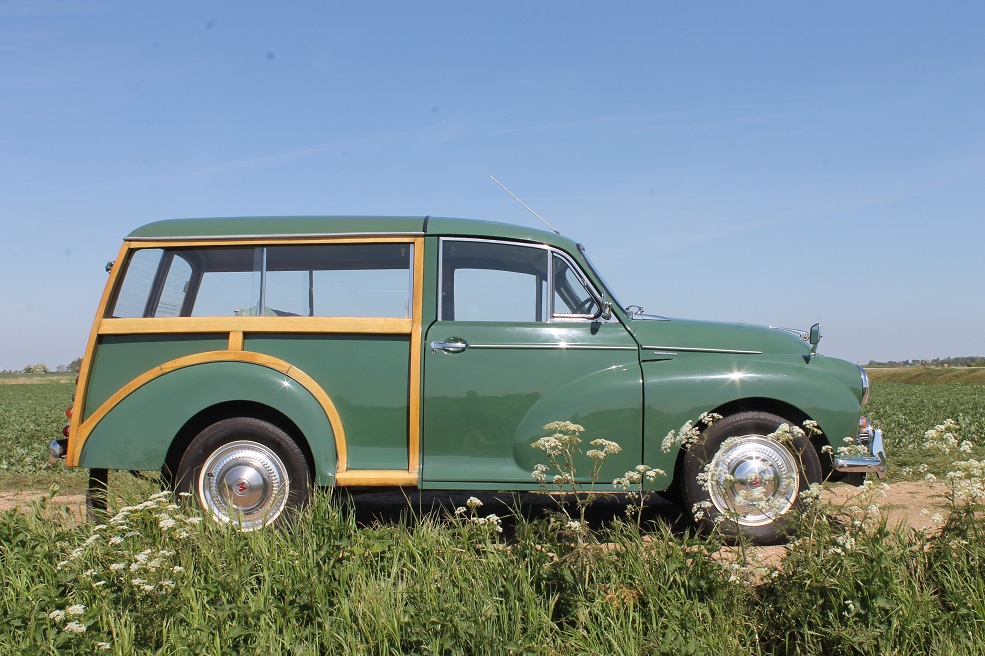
<point>558,346</point>
<point>862,463</point>
<point>700,350</point>
<point>265,235</point>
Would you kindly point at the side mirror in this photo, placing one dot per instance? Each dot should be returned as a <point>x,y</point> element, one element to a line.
<point>605,312</point>
<point>815,337</point>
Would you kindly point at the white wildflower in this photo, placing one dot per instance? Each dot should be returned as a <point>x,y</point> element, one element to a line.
<point>57,615</point>
<point>473,503</point>
<point>75,627</point>
<point>75,609</point>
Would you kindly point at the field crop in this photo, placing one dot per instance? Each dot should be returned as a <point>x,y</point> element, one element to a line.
<point>905,411</point>
<point>31,415</point>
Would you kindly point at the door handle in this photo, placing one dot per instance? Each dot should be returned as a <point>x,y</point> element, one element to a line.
<point>453,345</point>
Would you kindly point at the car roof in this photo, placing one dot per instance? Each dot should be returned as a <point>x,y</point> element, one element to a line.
<point>318,226</point>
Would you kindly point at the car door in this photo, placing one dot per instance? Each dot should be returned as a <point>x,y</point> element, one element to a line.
<point>519,342</point>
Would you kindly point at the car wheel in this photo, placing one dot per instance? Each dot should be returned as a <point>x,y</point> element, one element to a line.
<point>745,481</point>
<point>245,471</point>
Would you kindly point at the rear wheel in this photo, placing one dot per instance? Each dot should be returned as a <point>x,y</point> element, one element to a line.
<point>750,478</point>
<point>245,471</point>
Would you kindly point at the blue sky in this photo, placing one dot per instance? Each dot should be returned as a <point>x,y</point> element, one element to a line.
<point>762,162</point>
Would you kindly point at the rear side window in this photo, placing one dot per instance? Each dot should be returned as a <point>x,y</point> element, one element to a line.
<point>324,280</point>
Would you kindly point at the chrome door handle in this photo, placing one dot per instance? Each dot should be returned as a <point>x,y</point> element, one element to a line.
<point>454,346</point>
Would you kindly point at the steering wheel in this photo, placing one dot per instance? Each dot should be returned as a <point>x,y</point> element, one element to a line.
<point>584,306</point>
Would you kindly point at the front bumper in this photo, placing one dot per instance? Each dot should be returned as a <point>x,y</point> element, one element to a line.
<point>867,456</point>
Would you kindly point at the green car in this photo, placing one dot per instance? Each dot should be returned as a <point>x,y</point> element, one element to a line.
<point>250,359</point>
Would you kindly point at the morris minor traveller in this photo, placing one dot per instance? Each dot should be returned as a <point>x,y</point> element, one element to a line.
<point>250,359</point>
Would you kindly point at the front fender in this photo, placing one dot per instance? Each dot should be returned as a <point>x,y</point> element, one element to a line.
<point>680,390</point>
<point>137,431</point>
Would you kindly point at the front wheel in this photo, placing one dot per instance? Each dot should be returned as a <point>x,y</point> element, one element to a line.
<point>245,471</point>
<point>744,477</point>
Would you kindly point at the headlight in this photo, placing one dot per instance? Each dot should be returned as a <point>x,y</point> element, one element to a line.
<point>865,385</point>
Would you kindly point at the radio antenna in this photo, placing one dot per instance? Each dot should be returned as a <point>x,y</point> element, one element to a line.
<point>525,205</point>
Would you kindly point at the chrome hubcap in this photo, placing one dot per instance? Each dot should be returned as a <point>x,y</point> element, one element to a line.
<point>244,482</point>
<point>754,479</point>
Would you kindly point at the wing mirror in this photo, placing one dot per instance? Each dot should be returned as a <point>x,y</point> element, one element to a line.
<point>815,337</point>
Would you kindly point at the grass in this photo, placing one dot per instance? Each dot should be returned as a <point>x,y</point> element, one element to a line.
<point>157,581</point>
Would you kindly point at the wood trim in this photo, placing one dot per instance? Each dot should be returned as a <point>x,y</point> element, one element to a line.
<point>267,241</point>
<point>414,388</point>
<point>326,325</point>
<point>83,431</point>
<point>236,340</point>
<point>78,404</point>
<point>376,477</point>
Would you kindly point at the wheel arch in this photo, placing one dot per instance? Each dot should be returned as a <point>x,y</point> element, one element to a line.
<point>150,426</point>
<point>230,410</point>
<point>778,407</point>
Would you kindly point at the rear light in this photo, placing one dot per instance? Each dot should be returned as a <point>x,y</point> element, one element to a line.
<point>68,411</point>
<point>65,430</point>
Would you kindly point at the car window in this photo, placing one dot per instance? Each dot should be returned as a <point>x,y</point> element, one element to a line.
<point>323,280</point>
<point>493,281</point>
<point>572,297</point>
<point>340,280</point>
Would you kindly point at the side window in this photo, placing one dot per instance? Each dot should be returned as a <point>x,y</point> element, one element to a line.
<point>493,281</point>
<point>226,281</point>
<point>138,280</point>
<point>572,297</point>
<point>339,280</point>
<point>324,280</point>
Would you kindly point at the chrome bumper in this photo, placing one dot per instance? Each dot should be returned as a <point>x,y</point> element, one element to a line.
<point>874,461</point>
<point>57,450</point>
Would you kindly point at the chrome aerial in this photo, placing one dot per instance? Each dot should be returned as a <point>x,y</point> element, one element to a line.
<point>245,483</point>
<point>753,480</point>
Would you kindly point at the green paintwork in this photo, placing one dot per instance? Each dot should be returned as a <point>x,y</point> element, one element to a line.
<point>681,389</point>
<point>281,226</point>
<point>367,378</point>
<point>121,358</point>
<point>484,406</point>
<point>136,434</point>
<point>635,380</point>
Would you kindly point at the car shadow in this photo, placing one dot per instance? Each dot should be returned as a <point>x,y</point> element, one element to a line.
<point>392,506</point>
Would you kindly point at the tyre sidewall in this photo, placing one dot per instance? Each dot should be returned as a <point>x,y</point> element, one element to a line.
<point>702,453</point>
<point>254,430</point>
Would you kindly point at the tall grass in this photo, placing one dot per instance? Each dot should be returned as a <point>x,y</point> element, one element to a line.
<point>154,579</point>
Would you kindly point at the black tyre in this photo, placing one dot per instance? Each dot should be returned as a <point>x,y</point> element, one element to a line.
<point>245,471</point>
<point>753,479</point>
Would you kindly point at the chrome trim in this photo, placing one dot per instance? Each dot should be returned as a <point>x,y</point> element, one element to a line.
<point>267,235</point>
<point>551,250</point>
<point>859,463</point>
<point>57,450</point>
<point>450,347</point>
<point>667,353</point>
<point>796,331</point>
<point>558,346</point>
<point>865,384</point>
<point>689,349</point>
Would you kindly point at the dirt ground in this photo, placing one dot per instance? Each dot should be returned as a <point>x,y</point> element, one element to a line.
<point>903,502</point>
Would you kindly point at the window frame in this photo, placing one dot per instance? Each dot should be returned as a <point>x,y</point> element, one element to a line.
<point>552,315</point>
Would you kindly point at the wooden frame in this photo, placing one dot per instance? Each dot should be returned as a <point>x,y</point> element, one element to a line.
<point>238,329</point>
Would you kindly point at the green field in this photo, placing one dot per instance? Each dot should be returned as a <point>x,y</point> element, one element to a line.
<point>155,580</point>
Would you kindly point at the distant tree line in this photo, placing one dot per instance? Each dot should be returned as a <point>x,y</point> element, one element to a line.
<point>72,367</point>
<point>964,361</point>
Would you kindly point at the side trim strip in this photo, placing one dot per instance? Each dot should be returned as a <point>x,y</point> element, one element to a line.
<point>689,349</point>
<point>554,347</point>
